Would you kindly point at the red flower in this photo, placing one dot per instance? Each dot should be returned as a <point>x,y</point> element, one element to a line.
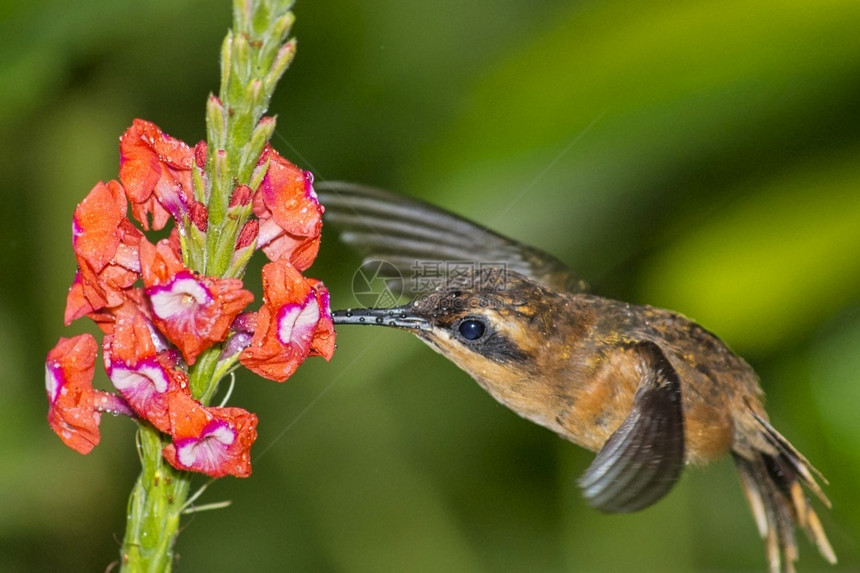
<point>72,410</point>
<point>136,368</point>
<point>106,248</point>
<point>213,441</point>
<point>156,172</point>
<point>294,322</point>
<point>290,214</point>
<point>193,312</point>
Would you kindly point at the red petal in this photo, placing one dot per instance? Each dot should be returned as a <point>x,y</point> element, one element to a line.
<point>289,212</point>
<point>156,171</point>
<point>95,227</point>
<point>69,372</point>
<point>323,343</point>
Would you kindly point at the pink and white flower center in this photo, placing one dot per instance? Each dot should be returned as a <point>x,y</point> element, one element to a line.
<point>139,384</point>
<point>53,381</point>
<point>208,452</point>
<point>296,322</point>
<point>180,298</point>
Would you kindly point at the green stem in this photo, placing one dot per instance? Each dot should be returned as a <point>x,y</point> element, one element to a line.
<point>202,375</point>
<point>153,508</point>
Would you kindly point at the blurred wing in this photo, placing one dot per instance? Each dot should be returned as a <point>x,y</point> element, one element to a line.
<point>410,234</point>
<point>643,459</point>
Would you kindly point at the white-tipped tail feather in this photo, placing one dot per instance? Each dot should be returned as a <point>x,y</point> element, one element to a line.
<point>774,484</point>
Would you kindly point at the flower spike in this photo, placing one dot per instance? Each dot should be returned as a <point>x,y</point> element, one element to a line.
<point>172,311</point>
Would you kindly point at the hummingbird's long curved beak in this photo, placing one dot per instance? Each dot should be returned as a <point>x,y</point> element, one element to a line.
<point>397,317</point>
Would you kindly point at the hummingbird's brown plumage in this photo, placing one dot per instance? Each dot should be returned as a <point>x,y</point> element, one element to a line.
<point>646,388</point>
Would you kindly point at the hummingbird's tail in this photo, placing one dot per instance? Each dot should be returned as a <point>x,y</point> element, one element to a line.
<point>773,483</point>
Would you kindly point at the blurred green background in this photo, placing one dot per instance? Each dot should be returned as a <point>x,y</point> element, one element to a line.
<point>700,156</point>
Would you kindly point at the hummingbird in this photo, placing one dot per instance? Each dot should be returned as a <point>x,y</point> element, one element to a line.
<point>648,389</point>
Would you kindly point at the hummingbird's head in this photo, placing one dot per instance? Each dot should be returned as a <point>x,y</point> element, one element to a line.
<point>496,325</point>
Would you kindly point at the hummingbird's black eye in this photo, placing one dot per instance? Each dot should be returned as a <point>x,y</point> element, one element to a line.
<point>471,329</point>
